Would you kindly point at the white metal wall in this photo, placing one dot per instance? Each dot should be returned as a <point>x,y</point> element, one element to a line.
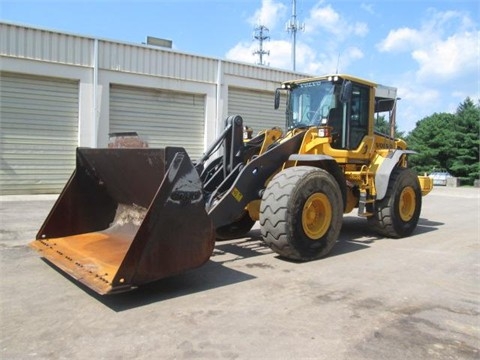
<point>161,117</point>
<point>256,108</point>
<point>39,133</point>
<point>86,68</point>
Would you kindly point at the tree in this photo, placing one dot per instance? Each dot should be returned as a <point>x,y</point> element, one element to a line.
<point>382,126</point>
<point>430,139</point>
<point>465,163</point>
<point>448,141</point>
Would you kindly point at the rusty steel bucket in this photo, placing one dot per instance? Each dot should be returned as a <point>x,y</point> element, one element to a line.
<point>128,217</point>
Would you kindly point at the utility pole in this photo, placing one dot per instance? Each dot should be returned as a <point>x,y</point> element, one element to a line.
<point>293,26</point>
<point>260,34</point>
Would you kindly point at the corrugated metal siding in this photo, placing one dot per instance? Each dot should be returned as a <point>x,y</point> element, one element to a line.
<point>158,62</point>
<point>260,73</point>
<point>28,43</point>
<point>39,133</point>
<point>161,117</point>
<point>256,108</point>
<point>50,46</point>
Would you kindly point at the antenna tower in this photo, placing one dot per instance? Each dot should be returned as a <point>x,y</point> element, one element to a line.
<point>293,26</point>
<point>261,34</point>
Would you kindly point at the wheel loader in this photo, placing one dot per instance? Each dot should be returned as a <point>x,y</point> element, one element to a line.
<point>130,216</point>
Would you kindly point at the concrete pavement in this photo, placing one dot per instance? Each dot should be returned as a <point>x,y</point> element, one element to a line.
<point>372,298</point>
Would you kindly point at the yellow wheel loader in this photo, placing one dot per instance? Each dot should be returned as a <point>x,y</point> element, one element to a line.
<point>129,216</point>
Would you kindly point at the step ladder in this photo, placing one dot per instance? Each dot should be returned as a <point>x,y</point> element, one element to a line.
<point>365,197</point>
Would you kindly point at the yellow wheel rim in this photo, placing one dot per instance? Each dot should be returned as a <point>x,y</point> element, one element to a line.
<point>316,216</point>
<point>407,204</point>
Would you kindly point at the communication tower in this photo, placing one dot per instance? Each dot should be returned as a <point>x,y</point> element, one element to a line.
<point>293,26</point>
<point>261,34</point>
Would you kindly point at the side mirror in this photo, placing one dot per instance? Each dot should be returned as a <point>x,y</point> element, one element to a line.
<point>276,101</point>
<point>346,91</point>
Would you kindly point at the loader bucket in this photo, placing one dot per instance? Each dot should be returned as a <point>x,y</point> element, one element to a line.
<point>128,217</point>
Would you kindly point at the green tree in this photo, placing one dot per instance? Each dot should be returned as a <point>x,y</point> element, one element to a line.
<point>448,141</point>
<point>382,126</point>
<point>430,139</point>
<point>465,164</point>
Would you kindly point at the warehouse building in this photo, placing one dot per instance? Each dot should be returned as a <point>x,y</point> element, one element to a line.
<point>59,91</point>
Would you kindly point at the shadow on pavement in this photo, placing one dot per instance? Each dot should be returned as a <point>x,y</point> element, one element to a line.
<point>355,235</point>
<point>426,226</point>
<point>210,276</point>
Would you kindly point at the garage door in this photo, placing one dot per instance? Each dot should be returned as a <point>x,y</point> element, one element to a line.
<point>39,133</point>
<point>256,108</point>
<point>162,118</point>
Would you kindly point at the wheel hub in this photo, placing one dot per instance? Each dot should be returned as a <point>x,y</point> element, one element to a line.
<point>407,204</point>
<point>316,216</point>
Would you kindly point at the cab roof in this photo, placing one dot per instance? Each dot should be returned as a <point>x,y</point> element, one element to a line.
<point>381,91</point>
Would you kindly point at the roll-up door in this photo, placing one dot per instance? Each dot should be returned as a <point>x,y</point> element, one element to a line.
<point>39,133</point>
<point>256,108</point>
<point>161,117</point>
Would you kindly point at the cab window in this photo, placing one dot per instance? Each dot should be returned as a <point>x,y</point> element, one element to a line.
<point>358,115</point>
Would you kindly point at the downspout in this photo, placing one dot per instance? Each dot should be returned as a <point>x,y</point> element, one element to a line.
<point>219,102</point>
<point>94,94</point>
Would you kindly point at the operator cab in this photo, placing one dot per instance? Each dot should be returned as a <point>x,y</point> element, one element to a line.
<point>334,102</point>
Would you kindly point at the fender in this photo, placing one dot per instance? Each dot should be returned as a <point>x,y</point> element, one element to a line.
<point>385,169</point>
<point>327,163</point>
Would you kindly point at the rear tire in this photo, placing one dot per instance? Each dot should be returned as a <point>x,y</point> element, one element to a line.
<point>397,214</point>
<point>301,213</point>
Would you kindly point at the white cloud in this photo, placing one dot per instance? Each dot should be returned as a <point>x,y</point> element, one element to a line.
<point>402,39</point>
<point>243,52</point>
<point>307,58</point>
<point>418,95</point>
<point>269,14</point>
<point>460,95</point>
<point>311,57</point>
<point>416,103</point>
<point>448,21</point>
<point>360,29</point>
<point>368,8</point>
<point>323,17</point>
<point>327,19</point>
<point>447,59</point>
<point>445,47</point>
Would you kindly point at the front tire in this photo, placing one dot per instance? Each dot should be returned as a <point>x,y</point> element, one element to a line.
<point>397,214</point>
<point>301,213</point>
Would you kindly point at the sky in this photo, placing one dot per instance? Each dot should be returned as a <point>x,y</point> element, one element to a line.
<point>429,50</point>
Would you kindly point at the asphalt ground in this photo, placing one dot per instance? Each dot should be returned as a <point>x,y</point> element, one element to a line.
<point>372,298</point>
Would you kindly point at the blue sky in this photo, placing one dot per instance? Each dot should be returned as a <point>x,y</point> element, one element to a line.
<point>430,50</point>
